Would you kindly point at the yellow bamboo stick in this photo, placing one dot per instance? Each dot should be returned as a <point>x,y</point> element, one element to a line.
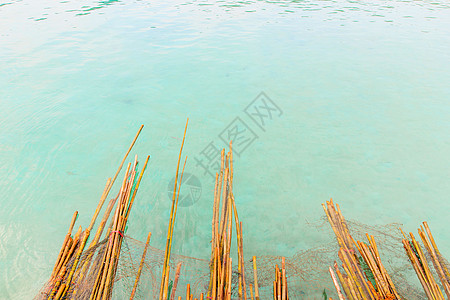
<point>255,276</point>
<point>430,279</point>
<point>336,284</point>
<point>166,283</point>
<point>113,238</point>
<point>63,256</point>
<point>97,211</point>
<point>133,292</point>
<point>275,290</point>
<point>72,248</point>
<point>436,262</point>
<point>343,281</point>
<point>175,282</point>
<point>168,242</point>
<point>61,290</point>
<point>83,269</point>
<point>283,279</point>
<point>427,228</point>
<point>216,262</point>
<point>244,287</point>
<point>416,265</point>
<point>69,232</point>
<point>229,279</point>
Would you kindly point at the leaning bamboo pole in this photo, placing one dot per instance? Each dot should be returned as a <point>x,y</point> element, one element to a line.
<point>175,282</point>
<point>66,240</point>
<point>80,248</point>
<point>419,262</point>
<point>105,279</point>
<point>141,265</point>
<point>84,267</point>
<point>355,281</point>
<point>439,266</point>
<point>336,284</point>
<point>165,271</point>
<point>99,285</point>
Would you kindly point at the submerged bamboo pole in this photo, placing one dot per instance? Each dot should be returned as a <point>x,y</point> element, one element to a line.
<point>255,276</point>
<point>171,220</point>
<point>138,276</point>
<point>175,282</point>
<point>336,284</point>
<point>355,283</point>
<point>104,281</point>
<point>66,239</point>
<point>80,249</point>
<point>223,216</point>
<point>432,250</point>
<point>420,265</point>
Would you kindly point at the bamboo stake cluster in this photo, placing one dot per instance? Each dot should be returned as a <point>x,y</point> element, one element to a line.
<point>221,284</point>
<point>436,257</point>
<point>419,261</point>
<point>65,254</point>
<point>280,288</point>
<point>363,276</point>
<point>221,264</point>
<point>384,284</point>
<point>190,296</point>
<point>105,278</point>
<point>224,208</point>
<point>66,270</point>
<point>355,280</point>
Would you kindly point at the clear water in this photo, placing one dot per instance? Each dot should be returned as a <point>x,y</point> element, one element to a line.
<point>363,89</point>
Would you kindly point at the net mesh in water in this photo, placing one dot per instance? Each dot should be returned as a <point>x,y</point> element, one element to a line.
<point>307,270</point>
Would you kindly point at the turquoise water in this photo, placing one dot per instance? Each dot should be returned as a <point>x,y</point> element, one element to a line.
<point>361,87</point>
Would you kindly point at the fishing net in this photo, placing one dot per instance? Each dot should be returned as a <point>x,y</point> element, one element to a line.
<point>307,270</point>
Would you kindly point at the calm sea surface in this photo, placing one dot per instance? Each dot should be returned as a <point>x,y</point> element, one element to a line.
<point>355,107</point>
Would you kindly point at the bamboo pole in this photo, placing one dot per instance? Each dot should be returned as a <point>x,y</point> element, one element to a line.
<point>170,228</point>
<point>433,243</point>
<point>105,277</point>
<point>284,280</point>
<point>85,267</point>
<point>114,235</point>
<point>255,276</point>
<point>436,263</point>
<point>356,285</point>
<point>136,282</point>
<point>97,211</point>
<point>124,219</point>
<point>175,282</point>
<point>336,284</point>
<point>66,239</point>
<point>229,279</point>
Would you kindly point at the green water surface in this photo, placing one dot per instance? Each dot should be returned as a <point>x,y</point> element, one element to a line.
<point>358,94</point>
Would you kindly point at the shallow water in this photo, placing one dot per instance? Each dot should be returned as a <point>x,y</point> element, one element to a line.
<point>357,109</point>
